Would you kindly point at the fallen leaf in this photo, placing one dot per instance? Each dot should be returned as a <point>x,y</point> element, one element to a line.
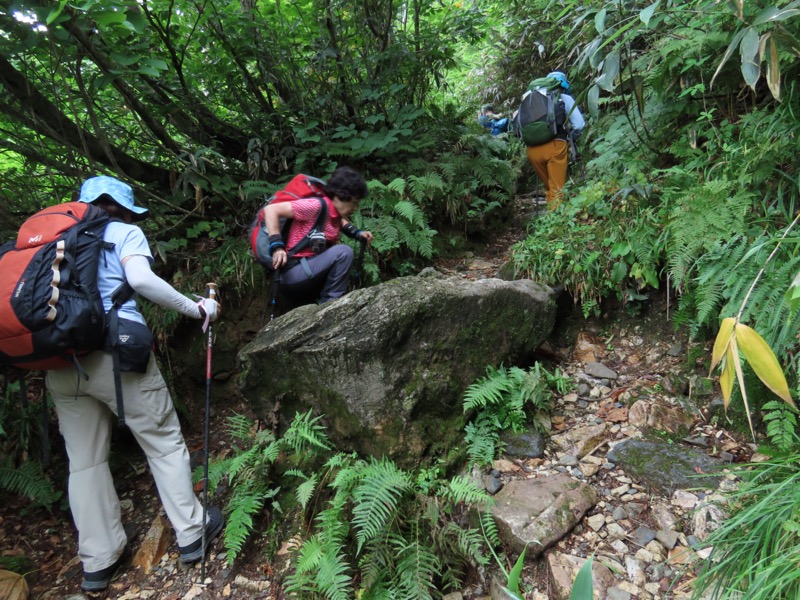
<point>13,586</point>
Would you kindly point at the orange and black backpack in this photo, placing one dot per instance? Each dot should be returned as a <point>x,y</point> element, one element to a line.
<point>50,308</point>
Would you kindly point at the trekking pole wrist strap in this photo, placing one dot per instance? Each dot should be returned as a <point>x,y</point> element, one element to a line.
<point>351,231</point>
<point>276,242</point>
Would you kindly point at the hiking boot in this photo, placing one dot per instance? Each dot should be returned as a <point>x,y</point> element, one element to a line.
<point>193,552</point>
<point>97,581</point>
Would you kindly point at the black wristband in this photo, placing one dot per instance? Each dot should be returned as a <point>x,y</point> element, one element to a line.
<point>276,242</point>
<point>351,231</point>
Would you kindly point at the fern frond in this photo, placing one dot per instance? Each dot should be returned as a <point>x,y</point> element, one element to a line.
<point>244,503</point>
<point>29,480</point>
<point>376,497</point>
<point>489,528</point>
<point>417,569</point>
<point>306,490</point>
<point>463,489</point>
<point>487,390</point>
<point>305,432</point>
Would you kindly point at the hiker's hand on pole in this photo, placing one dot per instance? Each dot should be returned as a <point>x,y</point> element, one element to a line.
<point>278,258</point>
<point>366,236</point>
<point>210,309</point>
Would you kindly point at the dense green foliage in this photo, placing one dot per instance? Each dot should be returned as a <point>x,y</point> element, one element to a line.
<point>754,549</point>
<point>400,532</point>
<point>505,399</point>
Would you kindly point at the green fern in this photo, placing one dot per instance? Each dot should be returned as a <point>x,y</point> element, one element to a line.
<point>376,497</point>
<point>781,423</point>
<point>29,480</point>
<point>500,399</point>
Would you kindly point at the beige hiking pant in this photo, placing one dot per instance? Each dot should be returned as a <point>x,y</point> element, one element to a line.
<point>84,412</point>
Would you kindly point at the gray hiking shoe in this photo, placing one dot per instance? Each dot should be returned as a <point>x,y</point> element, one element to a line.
<point>193,552</point>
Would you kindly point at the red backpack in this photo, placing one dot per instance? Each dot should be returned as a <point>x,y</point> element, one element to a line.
<point>301,186</point>
<point>50,307</point>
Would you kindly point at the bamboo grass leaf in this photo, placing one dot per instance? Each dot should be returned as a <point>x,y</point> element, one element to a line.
<point>740,377</point>
<point>762,359</point>
<point>731,48</point>
<point>774,70</point>
<point>722,343</point>
<point>726,379</point>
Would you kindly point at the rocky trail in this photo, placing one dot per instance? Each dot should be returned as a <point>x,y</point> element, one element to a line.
<point>627,474</point>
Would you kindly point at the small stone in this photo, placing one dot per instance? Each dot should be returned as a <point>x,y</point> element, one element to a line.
<point>596,522</point>
<point>620,547</point>
<point>619,513</point>
<point>621,490</point>
<point>675,350</point>
<point>617,593</point>
<point>615,531</point>
<point>645,556</point>
<point>668,539</point>
<point>684,499</point>
<point>643,536</point>
<point>568,460</point>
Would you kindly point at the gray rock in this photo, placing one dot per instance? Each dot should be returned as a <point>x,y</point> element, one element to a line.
<point>619,514</point>
<point>538,512</point>
<point>568,460</point>
<point>493,484</point>
<point>615,593</point>
<point>599,371</point>
<point>665,467</point>
<point>667,538</point>
<point>675,350</point>
<point>642,536</point>
<point>528,444</point>
<point>388,365</point>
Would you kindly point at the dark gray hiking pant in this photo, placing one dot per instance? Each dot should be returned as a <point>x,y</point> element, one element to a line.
<point>328,271</point>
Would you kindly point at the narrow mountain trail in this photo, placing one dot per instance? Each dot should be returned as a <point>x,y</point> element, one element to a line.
<point>630,376</point>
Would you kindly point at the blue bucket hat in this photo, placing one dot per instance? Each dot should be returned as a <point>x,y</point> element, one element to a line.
<point>562,78</point>
<point>120,192</point>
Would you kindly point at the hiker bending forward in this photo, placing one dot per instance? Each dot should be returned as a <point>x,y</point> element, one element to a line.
<point>550,159</point>
<point>85,406</point>
<point>320,272</point>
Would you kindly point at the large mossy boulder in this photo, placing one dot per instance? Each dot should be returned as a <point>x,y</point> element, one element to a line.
<point>388,365</point>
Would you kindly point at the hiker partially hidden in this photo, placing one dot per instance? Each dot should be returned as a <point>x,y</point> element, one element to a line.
<point>496,123</point>
<point>85,400</point>
<point>549,122</point>
<point>320,270</point>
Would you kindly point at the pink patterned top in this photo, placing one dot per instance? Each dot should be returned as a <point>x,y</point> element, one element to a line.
<point>305,214</point>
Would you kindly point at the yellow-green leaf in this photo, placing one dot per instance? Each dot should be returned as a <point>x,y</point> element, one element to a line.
<point>762,359</point>
<point>726,379</point>
<point>740,378</point>
<point>773,70</point>
<point>722,343</point>
<point>13,586</point>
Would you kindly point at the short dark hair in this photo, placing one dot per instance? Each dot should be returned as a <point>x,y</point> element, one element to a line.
<point>346,184</point>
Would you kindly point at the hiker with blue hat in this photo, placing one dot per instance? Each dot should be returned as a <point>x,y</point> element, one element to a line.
<point>549,121</point>
<point>85,401</point>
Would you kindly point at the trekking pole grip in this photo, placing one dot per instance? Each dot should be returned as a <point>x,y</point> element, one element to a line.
<point>211,291</point>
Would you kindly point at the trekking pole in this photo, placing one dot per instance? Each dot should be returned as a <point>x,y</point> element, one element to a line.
<point>211,292</point>
<point>359,265</point>
<point>273,303</point>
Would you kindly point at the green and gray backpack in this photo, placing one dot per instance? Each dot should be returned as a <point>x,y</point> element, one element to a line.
<point>542,114</point>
